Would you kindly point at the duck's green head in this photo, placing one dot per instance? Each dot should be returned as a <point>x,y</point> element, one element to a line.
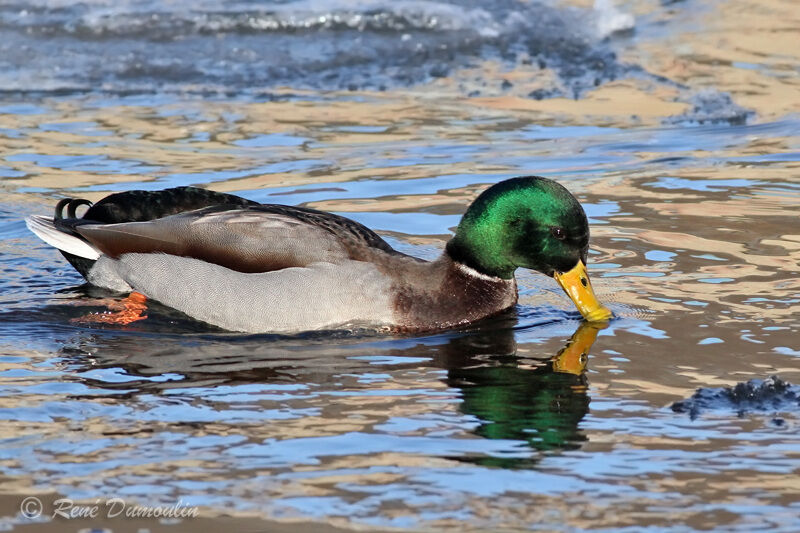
<point>529,222</point>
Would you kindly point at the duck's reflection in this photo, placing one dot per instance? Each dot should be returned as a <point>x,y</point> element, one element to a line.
<point>541,405</point>
<point>538,401</point>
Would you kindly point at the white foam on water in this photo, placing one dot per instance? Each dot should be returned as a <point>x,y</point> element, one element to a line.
<point>610,19</point>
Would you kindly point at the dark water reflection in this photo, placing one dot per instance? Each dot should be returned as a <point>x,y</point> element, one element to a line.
<point>538,401</point>
<point>283,402</point>
<point>540,404</point>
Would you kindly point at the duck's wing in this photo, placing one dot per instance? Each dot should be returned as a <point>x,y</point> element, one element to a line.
<point>260,238</point>
<point>129,206</point>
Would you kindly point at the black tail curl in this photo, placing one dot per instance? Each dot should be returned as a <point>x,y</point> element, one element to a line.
<point>67,225</point>
<point>72,205</point>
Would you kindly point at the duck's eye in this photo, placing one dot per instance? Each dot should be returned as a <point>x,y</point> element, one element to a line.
<point>558,233</point>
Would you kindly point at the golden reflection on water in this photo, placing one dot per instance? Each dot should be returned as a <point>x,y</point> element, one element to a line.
<point>743,47</point>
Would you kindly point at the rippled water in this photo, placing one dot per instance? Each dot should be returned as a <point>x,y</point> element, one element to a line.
<point>686,157</point>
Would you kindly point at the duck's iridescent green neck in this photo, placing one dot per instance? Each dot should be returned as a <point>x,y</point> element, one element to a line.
<point>511,225</point>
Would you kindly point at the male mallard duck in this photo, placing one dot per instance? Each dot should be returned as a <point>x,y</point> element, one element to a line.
<point>250,267</point>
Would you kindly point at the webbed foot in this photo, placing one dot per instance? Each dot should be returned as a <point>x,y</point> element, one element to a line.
<point>127,311</point>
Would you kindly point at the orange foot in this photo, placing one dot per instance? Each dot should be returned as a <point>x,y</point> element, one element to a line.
<point>128,310</point>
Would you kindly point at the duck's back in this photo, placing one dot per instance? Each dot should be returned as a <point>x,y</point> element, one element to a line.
<point>218,228</point>
<point>140,206</point>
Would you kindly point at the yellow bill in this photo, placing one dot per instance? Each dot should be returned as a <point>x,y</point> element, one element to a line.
<point>578,287</point>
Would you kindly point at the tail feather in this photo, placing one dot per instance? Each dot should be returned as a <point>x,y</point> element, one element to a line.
<point>45,229</point>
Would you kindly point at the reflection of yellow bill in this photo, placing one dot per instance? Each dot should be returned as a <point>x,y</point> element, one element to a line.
<point>572,358</point>
<point>578,287</point>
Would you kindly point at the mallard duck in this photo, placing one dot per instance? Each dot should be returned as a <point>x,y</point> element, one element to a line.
<point>250,267</point>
